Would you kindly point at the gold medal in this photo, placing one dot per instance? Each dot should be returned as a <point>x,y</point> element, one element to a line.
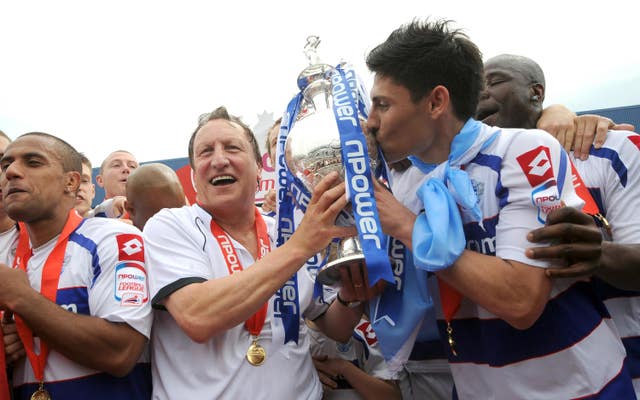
<point>256,354</point>
<point>452,342</point>
<point>41,393</point>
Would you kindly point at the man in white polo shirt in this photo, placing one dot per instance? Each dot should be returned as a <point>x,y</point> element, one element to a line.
<point>219,329</point>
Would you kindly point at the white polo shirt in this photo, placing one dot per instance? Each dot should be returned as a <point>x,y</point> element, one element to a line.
<point>181,250</point>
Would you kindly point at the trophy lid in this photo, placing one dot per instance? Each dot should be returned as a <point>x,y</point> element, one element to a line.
<point>316,70</point>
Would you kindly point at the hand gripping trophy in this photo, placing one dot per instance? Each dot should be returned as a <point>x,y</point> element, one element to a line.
<point>324,133</point>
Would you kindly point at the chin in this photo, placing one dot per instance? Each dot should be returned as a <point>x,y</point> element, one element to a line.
<point>17,213</point>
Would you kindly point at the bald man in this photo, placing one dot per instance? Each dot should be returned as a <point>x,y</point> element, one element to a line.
<point>114,172</point>
<point>515,90</point>
<point>150,188</point>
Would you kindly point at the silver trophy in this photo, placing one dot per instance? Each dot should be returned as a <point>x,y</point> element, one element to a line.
<point>312,151</point>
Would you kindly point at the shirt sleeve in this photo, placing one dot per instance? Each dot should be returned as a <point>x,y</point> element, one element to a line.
<point>371,358</point>
<point>622,187</point>
<point>119,292</point>
<point>536,174</point>
<point>176,254</point>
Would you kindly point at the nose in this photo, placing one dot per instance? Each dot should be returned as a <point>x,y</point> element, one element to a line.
<point>11,171</point>
<point>373,122</point>
<point>484,93</point>
<point>219,158</point>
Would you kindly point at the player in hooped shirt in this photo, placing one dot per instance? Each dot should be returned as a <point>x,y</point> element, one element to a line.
<point>78,289</point>
<point>611,175</point>
<point>514,333</point>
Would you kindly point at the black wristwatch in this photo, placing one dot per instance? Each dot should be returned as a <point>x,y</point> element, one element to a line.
<point>350,304</point>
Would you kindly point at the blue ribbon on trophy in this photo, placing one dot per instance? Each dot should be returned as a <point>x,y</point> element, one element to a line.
<point>286,303</point>
<point>404,311</point>
<point>358,176</point>
<point>397,313</point>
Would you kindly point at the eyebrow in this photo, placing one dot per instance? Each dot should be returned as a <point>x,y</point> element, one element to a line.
<point>122,161</point>
<point>33,155</point>
<point>29,155</point>
<point>498,73</point>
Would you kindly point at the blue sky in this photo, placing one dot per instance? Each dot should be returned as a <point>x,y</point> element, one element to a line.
<point>136,74</point>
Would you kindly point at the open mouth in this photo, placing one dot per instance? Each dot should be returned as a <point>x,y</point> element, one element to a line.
<point>486,113</point>
<point>223,180</point>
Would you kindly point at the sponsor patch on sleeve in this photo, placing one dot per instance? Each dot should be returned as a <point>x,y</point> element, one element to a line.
<point>365,330</point>
<point>131,283</point>
<point>536,165</point>
<point>130,247</point>
<point>546,198</point>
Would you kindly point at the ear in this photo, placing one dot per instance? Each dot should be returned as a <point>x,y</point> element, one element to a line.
<point>72,182</point>
<point>537,89</point>
<point>129,208</point>
<point>438,101</point>
<point>99,181</point>
<point>258,178</point>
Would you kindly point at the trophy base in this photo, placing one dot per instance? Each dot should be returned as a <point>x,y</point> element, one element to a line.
<point>329,275</point>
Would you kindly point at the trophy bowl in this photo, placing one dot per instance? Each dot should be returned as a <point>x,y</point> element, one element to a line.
<point>313,150</point>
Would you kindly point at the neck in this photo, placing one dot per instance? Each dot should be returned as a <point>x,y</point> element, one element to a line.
<point>240,226</point>
<point>41,231</point>
<point>440,148</point>
<point>238,219</point>
<point>532,120</point>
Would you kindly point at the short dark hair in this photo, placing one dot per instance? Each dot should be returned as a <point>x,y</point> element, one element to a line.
<point>422,55</point>
<point>69,156</point>
<point>222,113</point>
<point>85,160</point>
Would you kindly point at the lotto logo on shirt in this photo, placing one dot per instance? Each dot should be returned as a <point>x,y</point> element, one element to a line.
<point>130,247</point>
<point>635,139</point>
<point>131,284</point>
<point>536,165</point>
<point>366,331</point>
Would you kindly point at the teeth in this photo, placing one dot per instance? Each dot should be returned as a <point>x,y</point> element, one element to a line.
<point>222,178</point>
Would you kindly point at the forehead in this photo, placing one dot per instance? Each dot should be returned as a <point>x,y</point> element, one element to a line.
<point>273,133</point>
<point>219,129</point>
<point>4,142</point>
<point>32,144</point>
<point>119,156</point>
<point>86,170</point>
<point>384,86</point>
<point>492,68</point>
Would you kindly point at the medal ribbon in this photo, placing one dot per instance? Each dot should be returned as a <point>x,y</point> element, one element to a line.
<point>4,380</point>
<point>590,206</point>
<point>255,323</point>
<point>450,299</point>
<point>48,286</point>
